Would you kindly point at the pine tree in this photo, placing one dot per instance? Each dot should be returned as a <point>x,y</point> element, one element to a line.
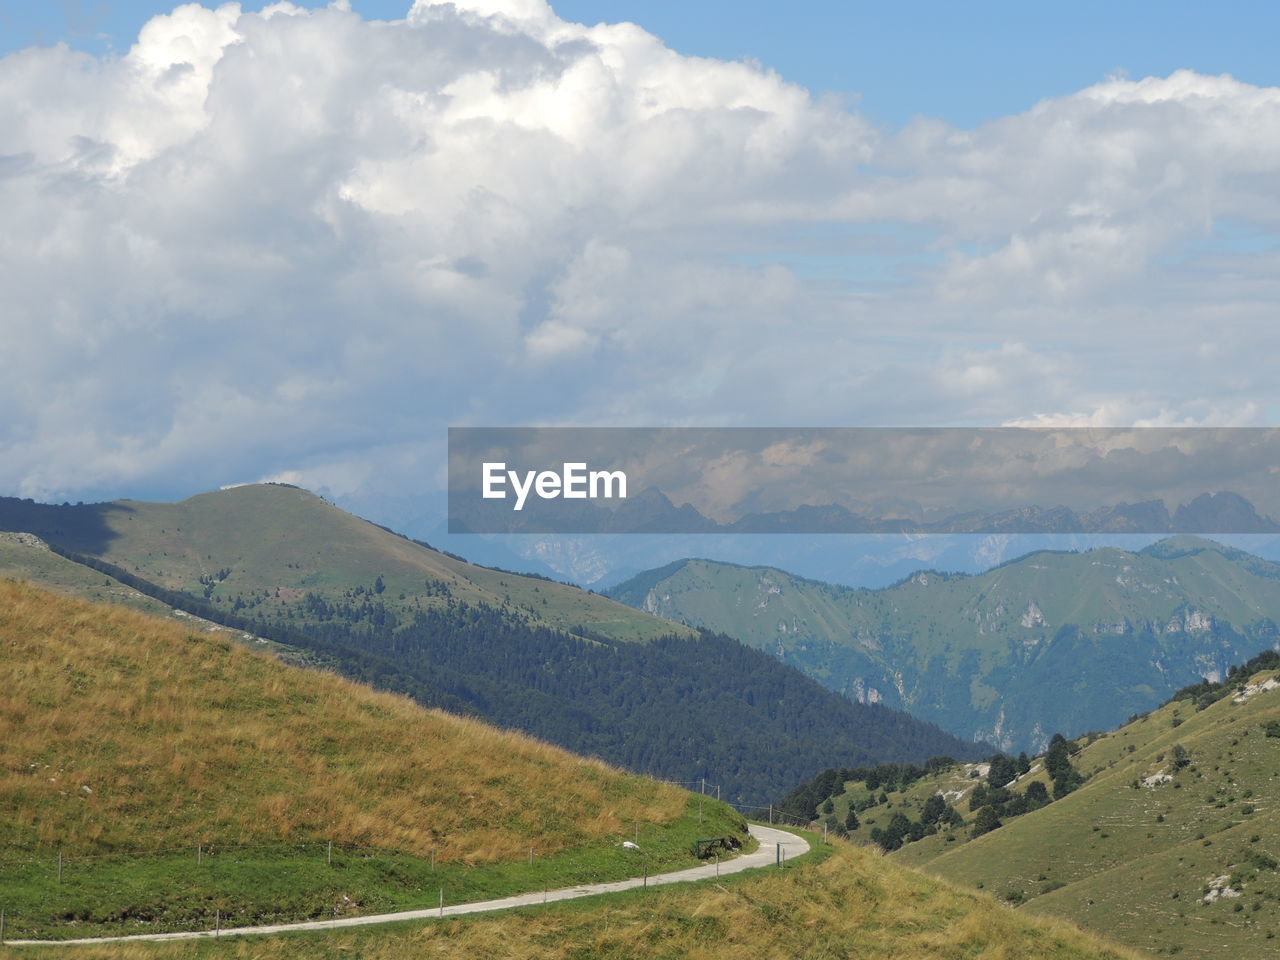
<point>933,808</point>
<point>986,821</point>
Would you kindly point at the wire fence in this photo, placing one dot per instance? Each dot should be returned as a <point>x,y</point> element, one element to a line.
<point>770,813</point>
<point>197,851</point>
<point>762,810</point>
<point>248,884</point>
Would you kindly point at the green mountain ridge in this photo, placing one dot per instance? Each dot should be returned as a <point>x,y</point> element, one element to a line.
<point>1048,642</point>
<point>239,541</point>
<point>563,664</point>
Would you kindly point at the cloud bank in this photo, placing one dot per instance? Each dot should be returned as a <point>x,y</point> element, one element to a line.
<point>299,243</point>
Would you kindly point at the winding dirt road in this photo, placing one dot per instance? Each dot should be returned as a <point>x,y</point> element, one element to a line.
<point>774,843</point>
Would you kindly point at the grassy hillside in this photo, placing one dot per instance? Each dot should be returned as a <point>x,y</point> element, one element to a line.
<point>24,556</point>
<point>1171,843</point>
<point>1193,843</point>
<point>1051,642</point>
<point>262,548</point>
<point>231,745</point>
<point>854,904</point>
<point>132,747</point>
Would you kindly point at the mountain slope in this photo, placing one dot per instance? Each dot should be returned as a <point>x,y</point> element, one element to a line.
<point>235,746</point>
<point>232,545</point>
<point>25,556</point>
<point>1049,642</point>
<point>1167,836</point>
<point>552,660</point>
<point>1179,813</point>
<point>149,775</point>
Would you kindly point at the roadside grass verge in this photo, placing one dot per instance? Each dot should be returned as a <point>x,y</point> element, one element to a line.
<point>112,895</point>
<point>839,902</point>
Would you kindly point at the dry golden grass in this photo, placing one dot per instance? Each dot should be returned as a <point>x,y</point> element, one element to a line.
<point>854,906</point>
<point>121,731</point>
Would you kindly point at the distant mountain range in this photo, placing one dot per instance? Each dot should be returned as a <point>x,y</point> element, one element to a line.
<point>652,511</point>
<point>1051,642</point>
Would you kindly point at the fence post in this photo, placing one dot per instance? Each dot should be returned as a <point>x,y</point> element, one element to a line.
<point>217,924</point>
<point>1,926</point>
<point>199,854</point>
<point>777,856</point>
<point>442,901</point>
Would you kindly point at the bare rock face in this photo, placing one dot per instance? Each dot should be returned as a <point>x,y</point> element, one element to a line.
<point>24,539</point>
<point>1220,888</point>
<point>1190,621</point>
<point>1032,617</point>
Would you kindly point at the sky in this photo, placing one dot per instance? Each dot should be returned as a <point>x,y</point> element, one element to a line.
<point>963,63</point>
<point>300,243</point>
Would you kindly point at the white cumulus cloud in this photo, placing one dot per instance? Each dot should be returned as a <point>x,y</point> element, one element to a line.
<point>299,243</point>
